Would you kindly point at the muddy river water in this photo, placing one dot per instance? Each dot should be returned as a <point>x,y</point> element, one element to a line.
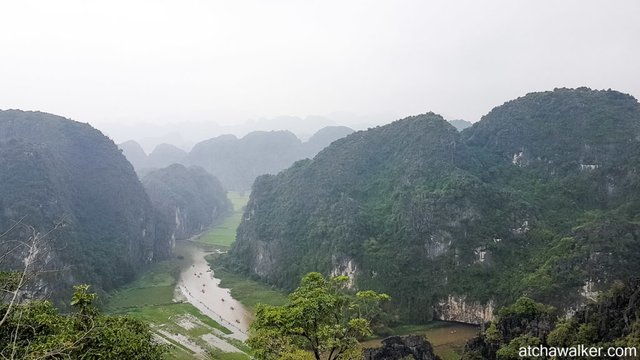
<point>199,286</point>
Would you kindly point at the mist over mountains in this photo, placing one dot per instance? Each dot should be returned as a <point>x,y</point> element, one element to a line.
<point>236,162</point>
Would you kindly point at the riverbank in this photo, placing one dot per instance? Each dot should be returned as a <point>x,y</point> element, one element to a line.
<point>182,301</point>
<point>192,331</point>
<point>448,338</point>
<point>247,291</point>
<point>200,287</point>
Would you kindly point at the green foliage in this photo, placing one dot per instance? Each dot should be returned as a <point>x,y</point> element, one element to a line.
<point>526,309</point>
<point>36,330</point>
<point>492,334</point>
<point>320,317</point>
<point>511,350</point>
<point>564,334</point>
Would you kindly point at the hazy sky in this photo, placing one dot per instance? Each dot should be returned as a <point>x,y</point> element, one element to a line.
<point>126,63</point>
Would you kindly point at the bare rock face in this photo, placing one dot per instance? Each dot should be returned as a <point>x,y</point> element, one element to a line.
<point>402,347</point>
<point>458,308</point>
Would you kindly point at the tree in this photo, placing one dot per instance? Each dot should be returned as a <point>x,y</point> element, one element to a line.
<point>36,330</point>
<point>12,283</point>
<point>320,319</point>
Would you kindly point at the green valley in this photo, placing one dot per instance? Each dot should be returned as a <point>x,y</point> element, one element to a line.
<point>224,233</point>
<point>154,297</point>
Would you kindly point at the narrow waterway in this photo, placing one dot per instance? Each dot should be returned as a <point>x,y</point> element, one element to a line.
<point>199,286</point>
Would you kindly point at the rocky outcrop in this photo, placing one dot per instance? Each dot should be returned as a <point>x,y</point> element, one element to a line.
<point>345,267</point>
<point>402,347</point>
<point>458,308</point>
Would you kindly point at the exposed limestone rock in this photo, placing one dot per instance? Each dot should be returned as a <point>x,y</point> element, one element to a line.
<point>402,347</point>
<point>457,308</point>
<point>438,244</point>
<point>589,292</point>
<point>264,259</point>
<point>345,267</point>
<point>517,159</point>
<point>482,254</point>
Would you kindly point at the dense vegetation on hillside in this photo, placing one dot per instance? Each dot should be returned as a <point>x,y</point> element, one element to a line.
<point>62,174</point>
<point>188,200</point>
<point>538,198</point>
<point>612,321</point>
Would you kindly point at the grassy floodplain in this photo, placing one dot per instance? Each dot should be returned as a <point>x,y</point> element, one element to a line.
<point>248,291</point>
<point>224,233</point>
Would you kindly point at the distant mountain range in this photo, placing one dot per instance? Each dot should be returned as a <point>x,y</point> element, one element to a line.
<point>460,124</point>
<point>236,162</point>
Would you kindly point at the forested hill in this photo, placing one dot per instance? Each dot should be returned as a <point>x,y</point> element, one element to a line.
<point>538,198</point>
<point>188,200</point>
<point>56,172</point>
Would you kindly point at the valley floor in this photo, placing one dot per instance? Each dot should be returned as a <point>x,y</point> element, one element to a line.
<point>206,313</point>
<point>182,301</point>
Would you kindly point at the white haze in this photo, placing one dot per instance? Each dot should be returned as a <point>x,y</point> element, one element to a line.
<point>196,68</point>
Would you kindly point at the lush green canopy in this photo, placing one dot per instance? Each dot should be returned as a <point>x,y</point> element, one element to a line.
<point>36,330</point>
<point>321,320</point>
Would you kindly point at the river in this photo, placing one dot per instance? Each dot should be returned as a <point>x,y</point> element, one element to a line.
<point>200,287</point>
